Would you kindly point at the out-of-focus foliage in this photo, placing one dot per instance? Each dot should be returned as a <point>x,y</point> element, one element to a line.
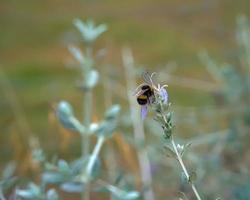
<point>228,161</point>
<point>34,191</point>
<point>8,180</point>
<point>211,114</point>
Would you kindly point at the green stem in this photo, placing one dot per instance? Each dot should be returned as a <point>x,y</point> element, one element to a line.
<point>87,105</point>
<point>179,158</point>
<point>94,155</point>
<point>85,138</point>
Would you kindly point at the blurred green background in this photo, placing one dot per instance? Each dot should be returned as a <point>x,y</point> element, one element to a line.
<point>34,60</point>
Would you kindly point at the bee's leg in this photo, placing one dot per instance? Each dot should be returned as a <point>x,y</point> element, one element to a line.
<point>151,99</point>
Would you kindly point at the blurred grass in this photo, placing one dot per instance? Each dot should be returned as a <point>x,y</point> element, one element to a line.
<point>34,36</point>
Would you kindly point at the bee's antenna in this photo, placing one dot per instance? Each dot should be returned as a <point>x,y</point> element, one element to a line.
<point>154,73</point>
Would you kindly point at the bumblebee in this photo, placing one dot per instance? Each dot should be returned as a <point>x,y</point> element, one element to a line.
<point>146,95</point>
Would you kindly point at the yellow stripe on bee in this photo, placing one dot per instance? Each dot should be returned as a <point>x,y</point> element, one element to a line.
<point>142,97</point>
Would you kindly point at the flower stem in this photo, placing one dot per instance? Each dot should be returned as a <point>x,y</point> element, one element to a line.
<point>94,155</point>
<point>87,120</point>
<point>179,158</point>
<point>85,138</point>
<point>87,105</point>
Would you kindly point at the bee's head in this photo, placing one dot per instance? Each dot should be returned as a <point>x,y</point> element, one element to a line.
<point>145,87</point>
<point>148,83</point>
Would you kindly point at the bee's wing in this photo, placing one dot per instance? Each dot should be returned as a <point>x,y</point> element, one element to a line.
<point>147,78</point>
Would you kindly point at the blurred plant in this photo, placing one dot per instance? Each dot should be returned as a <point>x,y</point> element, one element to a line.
<point>89,31</point>
<point>159,103</point>
<point>235,84</point>
<point>234,80</point>
<point>234,97</point>
<point>34,191</point>
<point>77,175</point>
<point>8,180</point>
<point>139,135</point>
<point>117,193</point>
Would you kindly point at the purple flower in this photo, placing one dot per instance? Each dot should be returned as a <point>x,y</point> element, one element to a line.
<point>144,111</point>
<point>164,95</point>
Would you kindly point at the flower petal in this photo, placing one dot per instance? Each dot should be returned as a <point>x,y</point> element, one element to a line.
<point>144,112</point>
<point>164,95</point>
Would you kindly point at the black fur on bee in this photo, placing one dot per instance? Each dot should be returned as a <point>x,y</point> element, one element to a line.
<point>146,96</point>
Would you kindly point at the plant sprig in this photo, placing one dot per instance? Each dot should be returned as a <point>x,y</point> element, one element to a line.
<point>163,116</point>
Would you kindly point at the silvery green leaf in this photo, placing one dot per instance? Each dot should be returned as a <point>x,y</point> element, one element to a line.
<point>65,114</point>
<point>8,183</point>
<point>119,194</point>
<point>159,118</point>
<point>169,152</point>
<point>72,187</point>
<point>102,189</point>
<point>192,177</point>
<point>185,148</point>
<point>50,166</point>
<point>77,53</point>
<point>119,177</point>
<point>32,192</point>
<point>89,31</point>
<point>92,79</point>
<point>52,195</point>
<point>131,195</point>
<point>9,170</point>
<point>169,116</point>
<point>107,128</point>
<point>77,165</point>
<point>65,109</point>
<point>180,148</point>
<point>187,145</point>
<point>167,132</point>
<point>80,26</point>
<point>63,166</point>
<point>38,155</point>
<point>25,194</point>
<point>52,178</point>
<point>112,112</point>
<point>184,197</point>
<point>34,188</point>
<point>100,29</point>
